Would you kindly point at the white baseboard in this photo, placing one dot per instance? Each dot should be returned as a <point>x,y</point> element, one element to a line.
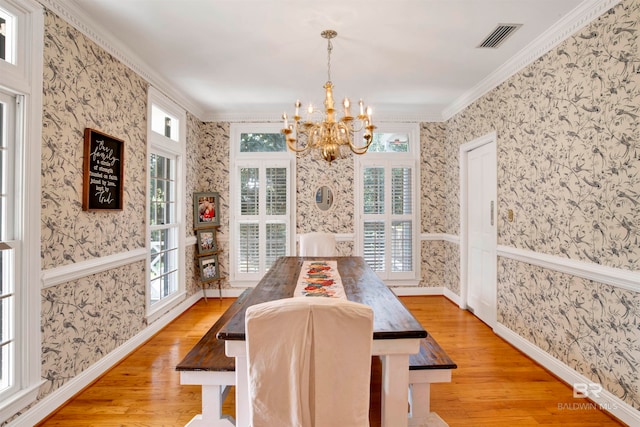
<point>226,293</point>
<point>606,401</point>
<point>59,397</point>
<point>452,296</point>
<point>415,290</point>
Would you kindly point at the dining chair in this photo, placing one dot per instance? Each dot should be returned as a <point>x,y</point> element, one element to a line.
<point>309,362</point>
<point>317,244</point>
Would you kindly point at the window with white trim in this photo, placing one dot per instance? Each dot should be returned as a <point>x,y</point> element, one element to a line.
<point>386,196</point>
<point>166,181</point>
<point>9,245</point>
<point>21,53</point>
<point>262,205</point>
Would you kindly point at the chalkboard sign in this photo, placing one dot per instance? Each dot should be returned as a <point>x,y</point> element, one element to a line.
<point>103,171</point>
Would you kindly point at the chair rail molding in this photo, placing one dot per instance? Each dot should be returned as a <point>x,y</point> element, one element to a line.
<point>625,279</point>
<point>451,238</point>
<point>78,270</point>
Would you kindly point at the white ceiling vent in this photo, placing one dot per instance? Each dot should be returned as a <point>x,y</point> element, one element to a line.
<point>501,33</point>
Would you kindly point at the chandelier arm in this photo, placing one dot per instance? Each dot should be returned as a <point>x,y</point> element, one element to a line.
<point>368,136</point>
<point>293,142</point>
<point>292,147</point>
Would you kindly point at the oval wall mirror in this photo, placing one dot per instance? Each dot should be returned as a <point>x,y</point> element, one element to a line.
<point>324,198</point>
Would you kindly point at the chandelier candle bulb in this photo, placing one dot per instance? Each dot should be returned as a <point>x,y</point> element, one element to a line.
<point>361,108</point>
<point>346,104</point>
<point>298,104</point>
<point>286,122</point>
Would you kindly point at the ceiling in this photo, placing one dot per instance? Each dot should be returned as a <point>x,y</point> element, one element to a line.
<point>251,58</point>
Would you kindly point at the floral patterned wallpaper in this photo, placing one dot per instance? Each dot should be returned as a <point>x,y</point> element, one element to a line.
<point>591,327</point>
<point>213,175</point>
<point>83,320</point>
<point>568,129</point>
<point>432,172</point>
<point>568,145</point>
<point>311,173</point>
<point>86,87</point>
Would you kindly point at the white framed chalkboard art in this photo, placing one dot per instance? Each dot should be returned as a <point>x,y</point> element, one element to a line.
<point>103,172</point>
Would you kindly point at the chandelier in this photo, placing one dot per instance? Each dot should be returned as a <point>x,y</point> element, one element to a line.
<point>329,136</point>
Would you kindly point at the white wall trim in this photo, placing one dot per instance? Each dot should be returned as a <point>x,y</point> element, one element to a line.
<point>60,396</point>
<point>451,296</point>
<point>451,238</point>
<point>625,279</point>
<point>340,237</point>
<point>606,401</point>
<point>416,291</point>
<point>78,270</point>
<point>582,15</point>
<point>432,115</point>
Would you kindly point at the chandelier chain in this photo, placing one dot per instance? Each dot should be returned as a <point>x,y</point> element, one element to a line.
<point>329,49</point>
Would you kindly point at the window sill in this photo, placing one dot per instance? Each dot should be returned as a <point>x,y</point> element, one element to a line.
<point>162,307</point>
<point>20,400</point>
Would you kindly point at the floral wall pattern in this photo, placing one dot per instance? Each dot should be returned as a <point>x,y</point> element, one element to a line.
<point>568,141</point>
<point>568,145</point>
<point>213,175</point>
<point>432,173</point>
<point>591,327</point>
<point>83,320</point>
<point>86,87</point>
<point>311,173</point>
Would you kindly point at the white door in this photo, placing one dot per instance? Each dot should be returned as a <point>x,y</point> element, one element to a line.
<point>482,235</point>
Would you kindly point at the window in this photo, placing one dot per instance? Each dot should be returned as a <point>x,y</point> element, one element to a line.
<point>21,52</point>
<point>262,207</point>
<point>9,246</point>
<point>6,37</point>
<point>387,232</point>
<point>166,230</point>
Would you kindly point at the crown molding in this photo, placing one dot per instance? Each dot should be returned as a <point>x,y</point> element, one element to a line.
<point>68,11</point>
<point>273,117</point>
<point>577,19</point>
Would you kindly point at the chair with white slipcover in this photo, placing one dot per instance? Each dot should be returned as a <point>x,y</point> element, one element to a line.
<point>317,244</point>
<point>309,362</point>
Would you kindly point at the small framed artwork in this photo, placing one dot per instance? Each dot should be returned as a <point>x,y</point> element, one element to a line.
<point>206,209</point>
<point>207,243</point>
<point>209,269</point>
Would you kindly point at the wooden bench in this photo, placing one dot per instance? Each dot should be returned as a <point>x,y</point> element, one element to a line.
<point>430,365</point>
<point>208,355</point>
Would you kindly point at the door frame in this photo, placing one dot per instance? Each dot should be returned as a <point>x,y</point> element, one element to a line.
<point>489,138</point>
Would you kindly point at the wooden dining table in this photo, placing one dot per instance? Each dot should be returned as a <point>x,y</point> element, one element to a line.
<point>396,332</point>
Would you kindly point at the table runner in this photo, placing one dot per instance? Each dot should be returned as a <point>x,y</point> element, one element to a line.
<point>319,279</point>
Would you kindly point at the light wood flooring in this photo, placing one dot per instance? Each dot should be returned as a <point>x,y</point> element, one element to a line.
<point>494,385</point>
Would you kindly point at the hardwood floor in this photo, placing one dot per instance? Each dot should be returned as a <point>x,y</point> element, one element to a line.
<point>494,385</point>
